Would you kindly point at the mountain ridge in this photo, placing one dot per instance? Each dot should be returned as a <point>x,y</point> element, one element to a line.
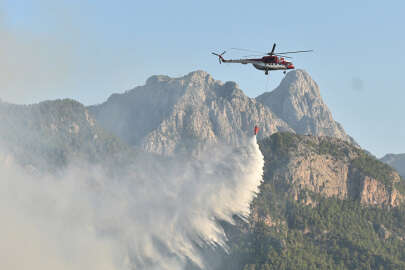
<point>396,161</point>
<point>49,134</point>
<point>297,100</point>
<point>197,108</point>
<point>324,203</point>
<point>200,109</point>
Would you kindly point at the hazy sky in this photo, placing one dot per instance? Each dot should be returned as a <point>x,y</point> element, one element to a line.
<point>87,50</point>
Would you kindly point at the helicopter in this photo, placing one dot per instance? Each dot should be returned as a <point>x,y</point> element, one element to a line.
<point>269,61</point>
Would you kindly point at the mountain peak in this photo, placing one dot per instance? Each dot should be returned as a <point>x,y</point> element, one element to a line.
<point>297,100</point>
<point>168,113</point>
<point>194,76</point>
<point>397,161</point>
<point>299,82</point>
<point>198,74</point>
<point>157,79</point>
<point>298,74</point>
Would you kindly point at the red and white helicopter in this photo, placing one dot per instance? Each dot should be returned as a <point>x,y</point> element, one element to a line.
<point>270,61</point>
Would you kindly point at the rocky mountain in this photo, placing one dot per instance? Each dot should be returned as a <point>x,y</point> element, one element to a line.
<point>396,161</point>
<point>324,204</point>
<point>49,134</point>
<point>169,114</point>
<point>297,101</point>
<point>330,167</point>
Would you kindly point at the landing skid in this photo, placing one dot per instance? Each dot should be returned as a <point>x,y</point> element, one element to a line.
<point>266,72</point>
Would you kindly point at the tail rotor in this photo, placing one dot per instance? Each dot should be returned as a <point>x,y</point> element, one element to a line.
<point>220,58</point>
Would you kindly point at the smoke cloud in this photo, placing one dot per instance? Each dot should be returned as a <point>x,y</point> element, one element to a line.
<point>155,214</point>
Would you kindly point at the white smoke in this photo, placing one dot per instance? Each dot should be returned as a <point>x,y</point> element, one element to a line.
<point>153,216</point>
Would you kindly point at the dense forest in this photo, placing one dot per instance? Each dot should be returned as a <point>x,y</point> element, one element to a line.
<point>314,231</point>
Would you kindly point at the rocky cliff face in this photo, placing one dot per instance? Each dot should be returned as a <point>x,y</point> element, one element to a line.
<point>170,114</point>
<point>330,167</point>
<point>396,161</point>
<point>323,204</point>
<point>297,100</point>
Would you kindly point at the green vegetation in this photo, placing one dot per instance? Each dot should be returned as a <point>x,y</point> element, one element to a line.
<point>336,150</point>
<point>400,186</point>
<point>277,148</point>
<point>335,234</point>
<point>329,233</point>
<point>280,142</point>
<point>374,168</point>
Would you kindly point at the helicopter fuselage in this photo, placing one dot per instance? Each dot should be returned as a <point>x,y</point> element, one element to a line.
<point>269,66</point>
<point>271,61</point>
<point>266,63</point>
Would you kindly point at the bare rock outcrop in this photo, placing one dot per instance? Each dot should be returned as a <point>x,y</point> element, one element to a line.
<point>330,167</point>
<point>170,114</point>
<point>297,100</point>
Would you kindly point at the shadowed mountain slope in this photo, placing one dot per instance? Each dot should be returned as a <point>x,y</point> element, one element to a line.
<point>396,161</point>
<point>49,134</point>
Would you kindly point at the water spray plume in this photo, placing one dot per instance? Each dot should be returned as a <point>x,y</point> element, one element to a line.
<point>154,215</point>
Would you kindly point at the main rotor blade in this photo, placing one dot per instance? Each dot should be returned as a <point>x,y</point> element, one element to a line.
<point>283,56</point>
<point>261,55</point>
<point>272,50</point>
<point>247,50</point>
<point>255,55</point>
<point>296,52</point>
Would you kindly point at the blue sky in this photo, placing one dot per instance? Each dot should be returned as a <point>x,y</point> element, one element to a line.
<point>87,50</point>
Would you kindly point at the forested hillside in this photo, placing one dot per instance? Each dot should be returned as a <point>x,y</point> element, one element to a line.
<point>293,225</point>
<point>49,134</point>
